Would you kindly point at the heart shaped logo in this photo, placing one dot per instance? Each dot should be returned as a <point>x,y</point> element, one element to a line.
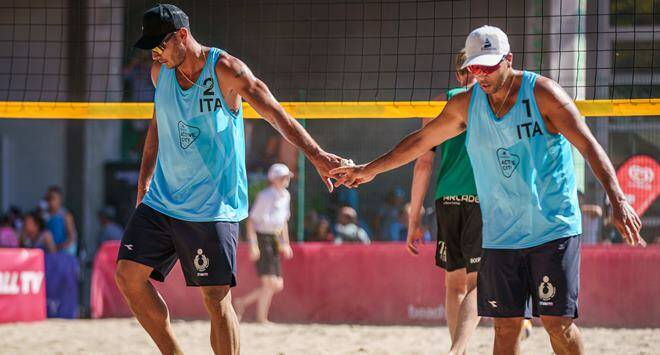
<point>639,178</point>
<point>187,134</point>
<point>508,161</point>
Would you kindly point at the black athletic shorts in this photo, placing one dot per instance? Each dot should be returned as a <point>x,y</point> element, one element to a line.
<point>459,233</point>
<point>269,255</point>
<point>207,250</point>
<point>542,280</point>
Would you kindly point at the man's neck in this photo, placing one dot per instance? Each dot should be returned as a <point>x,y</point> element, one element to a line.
<point>194,60</point>
<point>501,94</point>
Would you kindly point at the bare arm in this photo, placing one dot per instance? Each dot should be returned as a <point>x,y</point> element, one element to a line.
<point>451,122</point>
<point>560,111</point>
<point>150,150</point>
<point>149,156</point>
<point>50,243</point>
<point>420,184</point>
<point>239,77</point>
<point>285,246</point>
<point>71,233</point>
<point>255,253</point>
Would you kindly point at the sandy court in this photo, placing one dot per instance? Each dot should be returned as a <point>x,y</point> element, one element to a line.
<point>124,336</point>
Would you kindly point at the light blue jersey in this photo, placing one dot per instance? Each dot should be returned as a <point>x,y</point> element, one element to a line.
<point>200,172</point>
<point>524,174</point>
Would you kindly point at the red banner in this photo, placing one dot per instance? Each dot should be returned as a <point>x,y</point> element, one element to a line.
<point>22,285</point>
<point>382,284</point>
<point>639,177</point>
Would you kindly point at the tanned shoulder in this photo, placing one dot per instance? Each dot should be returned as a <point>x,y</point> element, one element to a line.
<point>231,67</point>
<point>155,71</point>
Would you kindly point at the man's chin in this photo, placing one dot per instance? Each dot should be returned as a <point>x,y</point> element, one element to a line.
<point>487,89</point>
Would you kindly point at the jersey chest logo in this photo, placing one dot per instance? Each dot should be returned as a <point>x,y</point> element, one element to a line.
<point>187,134</point>
<point>508,161</point>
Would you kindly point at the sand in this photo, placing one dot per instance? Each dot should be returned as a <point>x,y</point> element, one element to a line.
<point>125,336</point>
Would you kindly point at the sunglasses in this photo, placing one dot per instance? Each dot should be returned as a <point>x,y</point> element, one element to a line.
<point>159,49</point>
<point>484,69</point>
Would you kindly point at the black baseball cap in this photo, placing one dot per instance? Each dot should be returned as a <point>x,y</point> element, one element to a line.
<point>158,22</point>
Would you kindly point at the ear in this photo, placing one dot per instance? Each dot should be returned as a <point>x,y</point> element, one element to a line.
<point>183,34</point>
<point>509,58</point>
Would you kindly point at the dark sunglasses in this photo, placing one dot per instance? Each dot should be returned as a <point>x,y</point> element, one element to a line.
<point>159,49</point>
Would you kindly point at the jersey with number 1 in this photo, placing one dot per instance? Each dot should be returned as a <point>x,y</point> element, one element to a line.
<point>524,173</point>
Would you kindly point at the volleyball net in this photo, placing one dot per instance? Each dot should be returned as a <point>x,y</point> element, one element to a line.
<point>358,61</point>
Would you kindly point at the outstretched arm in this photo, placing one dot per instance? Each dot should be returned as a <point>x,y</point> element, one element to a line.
<point>239,77</point>
<point>450,123</point>
<point>558,109</point>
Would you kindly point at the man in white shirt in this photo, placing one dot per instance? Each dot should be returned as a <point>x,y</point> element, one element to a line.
<point>268,234</point>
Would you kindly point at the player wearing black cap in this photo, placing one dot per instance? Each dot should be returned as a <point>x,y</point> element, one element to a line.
<point>192,188</point>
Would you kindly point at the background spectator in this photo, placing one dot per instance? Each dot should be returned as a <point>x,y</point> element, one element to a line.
<point>110,230</point>
<point>323,231</point>
<point>347,229</point>
<point>60,222</point>
<point>268,234</point>
<point>399,229</point>
<point>15,218</point>
<point>592,216</point>
<point>8,238</point>
<point>35,235</point>
<point>388,214</point>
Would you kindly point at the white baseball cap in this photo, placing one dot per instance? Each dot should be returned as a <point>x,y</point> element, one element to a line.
<point>278,170</point>
<point>485,46</point>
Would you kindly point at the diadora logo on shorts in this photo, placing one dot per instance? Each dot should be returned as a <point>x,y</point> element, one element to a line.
<point>508,161</point>
<point>201,263</point>
<point>187,134</point>
<point>129,246</point>
<point>546,292</point>
<point>493,304</point>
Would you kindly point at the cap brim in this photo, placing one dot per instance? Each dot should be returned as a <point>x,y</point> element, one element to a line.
<point>485,59</point>
<point>149,42</point>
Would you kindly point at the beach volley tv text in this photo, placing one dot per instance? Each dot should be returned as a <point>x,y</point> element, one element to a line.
<point>20,282</point>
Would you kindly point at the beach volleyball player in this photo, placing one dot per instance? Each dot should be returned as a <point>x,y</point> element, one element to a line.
<point>192,188</point>
<point>518,127</point>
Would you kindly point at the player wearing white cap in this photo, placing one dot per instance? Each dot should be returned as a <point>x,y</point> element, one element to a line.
<point>518,127</point>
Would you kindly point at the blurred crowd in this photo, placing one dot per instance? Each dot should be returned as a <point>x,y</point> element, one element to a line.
<point>50,226</point>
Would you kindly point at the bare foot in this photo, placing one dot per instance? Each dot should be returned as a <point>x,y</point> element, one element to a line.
<point>239,308</point>
<point>264,322</point>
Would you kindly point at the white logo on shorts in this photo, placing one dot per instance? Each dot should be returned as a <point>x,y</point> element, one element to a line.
<point>201,263</point>
<point>493,304</point>
<point>129,246</point>
<point>546,292</point>
<point>443,251</point>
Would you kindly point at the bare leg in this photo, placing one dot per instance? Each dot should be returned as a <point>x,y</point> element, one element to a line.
<point>273,285</point>
<point>467,317</point>
<point>564,335</point>
<point>507,336</point>
<point>147,305</point>
<point>224,324</point>
<point>455,291</point>
<point>246,301</point>
<point>252,297</point>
